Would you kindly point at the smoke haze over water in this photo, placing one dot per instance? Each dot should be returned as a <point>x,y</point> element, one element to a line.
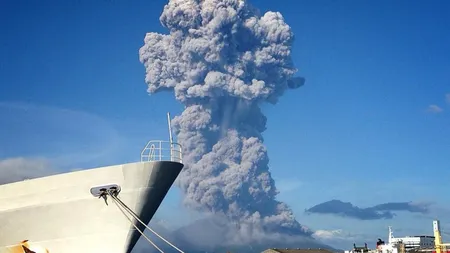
<point>223,60</point>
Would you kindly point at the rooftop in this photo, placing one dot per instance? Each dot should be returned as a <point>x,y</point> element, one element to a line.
<point>298,250</point>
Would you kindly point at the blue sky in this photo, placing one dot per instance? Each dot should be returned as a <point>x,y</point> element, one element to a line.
<point>72,91</point>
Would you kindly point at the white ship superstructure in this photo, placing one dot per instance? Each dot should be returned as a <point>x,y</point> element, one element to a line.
<point>420,243</point>
<point>81,211</point>
<point>412,242</point>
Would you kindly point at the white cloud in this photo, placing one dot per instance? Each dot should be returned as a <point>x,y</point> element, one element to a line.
<point>288,184</point>
<point>342,239</point>
<point>57,140</point>
<point>70,138</point>
<point>335,234</point>
<point>328,234</point>
<point>434,109</point>
<point>21,168</point>
<point>336,238</point>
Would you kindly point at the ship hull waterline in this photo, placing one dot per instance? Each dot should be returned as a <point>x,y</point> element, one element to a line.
<point>60,214</point>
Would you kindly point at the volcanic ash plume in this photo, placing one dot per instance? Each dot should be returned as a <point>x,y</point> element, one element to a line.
<point>222,60</point>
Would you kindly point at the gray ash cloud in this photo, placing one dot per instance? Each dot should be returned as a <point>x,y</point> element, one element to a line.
<point>222,60</point>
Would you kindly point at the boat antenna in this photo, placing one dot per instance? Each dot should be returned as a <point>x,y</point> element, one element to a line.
<point>391,236</point>
<point>170,129</point>
<point>170,136</point>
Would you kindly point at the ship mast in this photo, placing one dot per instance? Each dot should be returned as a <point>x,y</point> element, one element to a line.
<point>170,136</point>
<point>390,237</point>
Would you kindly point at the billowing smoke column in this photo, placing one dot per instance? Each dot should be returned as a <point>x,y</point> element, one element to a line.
<point>223,61</point>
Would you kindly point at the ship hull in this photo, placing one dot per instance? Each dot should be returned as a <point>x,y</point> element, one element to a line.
<point>60,214</point>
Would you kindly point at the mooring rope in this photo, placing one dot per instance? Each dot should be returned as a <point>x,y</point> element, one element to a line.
<point>115,200</point>
<point>118,201</point>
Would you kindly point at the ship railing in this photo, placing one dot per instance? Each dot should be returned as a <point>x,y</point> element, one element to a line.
<point>156,150</point>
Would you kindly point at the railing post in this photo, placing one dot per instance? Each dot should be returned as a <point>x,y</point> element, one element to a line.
<point>160,151</point>
<point>171,150</point>
<point>148,154</point>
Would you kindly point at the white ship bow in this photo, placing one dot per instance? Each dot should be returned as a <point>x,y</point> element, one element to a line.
<point>60,214</point>
<point>63,213</point>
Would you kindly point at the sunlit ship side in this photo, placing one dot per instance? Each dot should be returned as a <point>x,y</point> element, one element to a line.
<point>65,213</point>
